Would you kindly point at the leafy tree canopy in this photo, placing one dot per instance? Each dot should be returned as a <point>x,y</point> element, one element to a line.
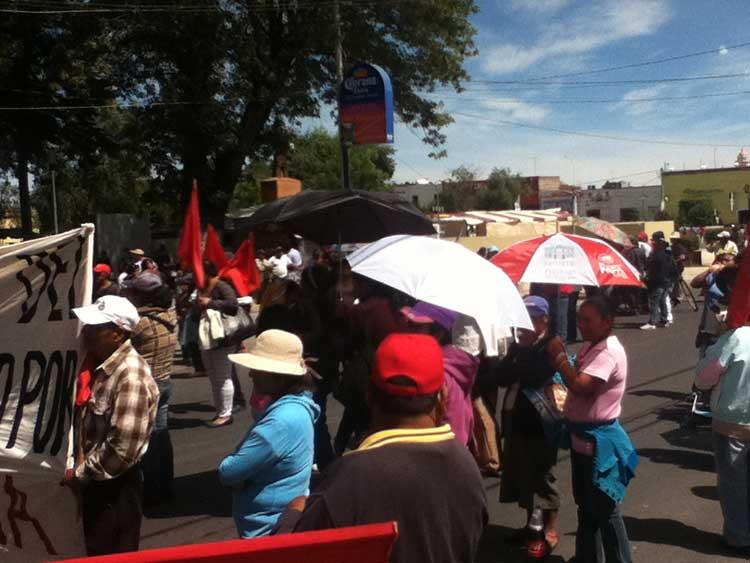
<point>503,189</point>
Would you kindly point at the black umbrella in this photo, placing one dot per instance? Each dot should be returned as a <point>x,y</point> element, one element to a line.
<point>343,216</point>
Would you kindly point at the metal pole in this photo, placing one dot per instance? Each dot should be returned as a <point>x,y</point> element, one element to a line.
<point>54,202</point>
<point>345,163</point>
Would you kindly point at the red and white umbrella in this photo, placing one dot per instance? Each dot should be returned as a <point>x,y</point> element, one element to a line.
<point>566,259</point>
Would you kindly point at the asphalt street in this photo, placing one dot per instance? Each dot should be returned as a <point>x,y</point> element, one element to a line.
<point>671,511</point>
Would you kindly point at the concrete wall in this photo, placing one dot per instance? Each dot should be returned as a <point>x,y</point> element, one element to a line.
<point>503,235</point>
<point>714,184</point>
<point>610,202</point>
<point>425,193</point>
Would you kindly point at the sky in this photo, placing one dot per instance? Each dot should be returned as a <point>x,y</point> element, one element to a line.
<point>525,40</point>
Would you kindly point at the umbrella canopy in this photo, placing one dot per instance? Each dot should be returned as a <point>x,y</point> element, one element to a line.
<point>341,216</point>
<point>566,259</point>
<point>447,274</point>
<point>603,229</point>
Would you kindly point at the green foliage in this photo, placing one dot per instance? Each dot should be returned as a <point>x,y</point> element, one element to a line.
<point>503,189</point>
<point>316,160</point>
<point>460,193</point>
<point>696,213</point>
<point>247,191</point>
<point>219,88</point>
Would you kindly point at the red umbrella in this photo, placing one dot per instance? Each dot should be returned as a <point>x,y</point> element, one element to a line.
<point>566,259</point>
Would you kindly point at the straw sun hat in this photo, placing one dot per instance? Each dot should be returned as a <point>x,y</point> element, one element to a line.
<point>273,351</point>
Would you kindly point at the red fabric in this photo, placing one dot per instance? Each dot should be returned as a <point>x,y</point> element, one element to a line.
<point>739,307</point>
<point>214,250</point>
<point>83,385</point>
<point>364,544</point>
<point>242,271</point>
<point>189,250</point>
<point>416,356</point>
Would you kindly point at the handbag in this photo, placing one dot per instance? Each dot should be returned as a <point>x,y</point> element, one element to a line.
<point>236,327</point>
<point>483,442</point>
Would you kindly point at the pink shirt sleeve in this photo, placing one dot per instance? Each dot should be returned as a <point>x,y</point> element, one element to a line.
<point>709,376</point>
<point>601,366</point>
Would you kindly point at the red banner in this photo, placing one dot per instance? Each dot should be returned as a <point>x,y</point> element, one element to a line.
<point>360,544</point>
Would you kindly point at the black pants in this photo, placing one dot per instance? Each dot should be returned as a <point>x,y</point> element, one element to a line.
<point>112,514</point>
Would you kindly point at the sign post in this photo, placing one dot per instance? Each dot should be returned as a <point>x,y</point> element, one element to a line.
<point>365,110</point>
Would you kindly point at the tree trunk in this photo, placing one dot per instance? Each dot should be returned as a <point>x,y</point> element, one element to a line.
<point>22,174</point>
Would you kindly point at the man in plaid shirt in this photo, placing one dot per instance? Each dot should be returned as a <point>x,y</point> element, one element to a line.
<point>115,426</point>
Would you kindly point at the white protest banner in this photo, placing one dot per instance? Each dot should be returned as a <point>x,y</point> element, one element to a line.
<point>41,281</point>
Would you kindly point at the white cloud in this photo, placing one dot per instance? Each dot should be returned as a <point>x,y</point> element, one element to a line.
<point>539,5</point>
<point>513,108</point>
<point>632,106</point>
<point>608,22</point>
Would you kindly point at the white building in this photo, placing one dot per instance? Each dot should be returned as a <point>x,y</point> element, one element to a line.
<point>616,202</point>
<point>423,195</point>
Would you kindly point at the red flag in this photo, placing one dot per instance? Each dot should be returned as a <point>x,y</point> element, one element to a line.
<point>189,250</point>
<point>214,251</point>
<point>242,271</point>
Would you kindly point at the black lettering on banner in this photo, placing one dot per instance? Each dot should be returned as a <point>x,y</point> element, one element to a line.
<point>65,412</point>
<point>61,267</point>
<point>28,311</point>
<point>51,266</point>
<point>27,395</point>
<point>9,361</point>
<point>42,437</point>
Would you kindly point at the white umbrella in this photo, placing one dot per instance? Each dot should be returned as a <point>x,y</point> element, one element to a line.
<point>447,274</point>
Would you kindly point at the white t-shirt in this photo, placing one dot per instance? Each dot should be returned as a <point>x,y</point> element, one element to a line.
<point>295,259</point>
<point>278,266</point>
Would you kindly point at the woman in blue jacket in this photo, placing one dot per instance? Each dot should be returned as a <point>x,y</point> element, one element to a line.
<point>273,463</point>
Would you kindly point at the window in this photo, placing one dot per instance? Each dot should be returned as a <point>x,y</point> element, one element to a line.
<point>629,214</point>
<point>594,213</point>
<point>415,200</point>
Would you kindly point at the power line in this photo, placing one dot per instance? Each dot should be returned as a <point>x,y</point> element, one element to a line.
<point>591,135</point>
<point>44,10</point>
<point>720,50</point>
<point>605,82</point>
<point>619,177</point>
<point>604,101</point>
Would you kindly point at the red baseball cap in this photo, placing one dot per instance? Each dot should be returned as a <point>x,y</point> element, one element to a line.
<point>102,269</point>
<point>415,356</point>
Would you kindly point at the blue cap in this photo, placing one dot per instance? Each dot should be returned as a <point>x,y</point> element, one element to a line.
<point>494,249</point>
<point>536,306</point>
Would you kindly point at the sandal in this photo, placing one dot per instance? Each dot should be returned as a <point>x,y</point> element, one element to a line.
<point>220,421</point>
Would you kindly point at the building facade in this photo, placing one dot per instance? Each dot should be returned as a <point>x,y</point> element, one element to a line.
<point>424,196</point>
<point>725,190</point>
<point>547,192</point>
<point>617,202</point>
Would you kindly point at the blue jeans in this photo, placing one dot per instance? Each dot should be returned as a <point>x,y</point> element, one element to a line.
<point>657,305</point>
<point>157,463</point>
<point>732,475</point>
<point>600,523</point>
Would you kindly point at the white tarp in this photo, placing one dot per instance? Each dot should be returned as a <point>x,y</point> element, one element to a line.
<point>41,281</point>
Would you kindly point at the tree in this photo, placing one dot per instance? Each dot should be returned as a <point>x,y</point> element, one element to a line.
<point>235,76</point>
<point>503,189</point>
<point>696,212</point>
<point>460,192</point>
<point>47,62</point>
<point>316,160</point>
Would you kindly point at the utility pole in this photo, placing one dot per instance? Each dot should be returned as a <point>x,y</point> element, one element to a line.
<point>343,135</point>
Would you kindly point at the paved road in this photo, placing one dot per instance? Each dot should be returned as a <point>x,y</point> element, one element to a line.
<point>671,511</point>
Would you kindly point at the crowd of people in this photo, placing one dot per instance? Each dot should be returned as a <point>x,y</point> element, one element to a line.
<point>419,398</point>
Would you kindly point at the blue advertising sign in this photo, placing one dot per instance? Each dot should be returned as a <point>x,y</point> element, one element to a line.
<point>366,104</point>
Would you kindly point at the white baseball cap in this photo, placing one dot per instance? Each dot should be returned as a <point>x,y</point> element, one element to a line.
<point>723,234</point>
<point>110,309</point>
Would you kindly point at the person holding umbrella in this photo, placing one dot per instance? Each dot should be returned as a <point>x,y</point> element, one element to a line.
<point>531,432</point>
<point>602,455</point>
